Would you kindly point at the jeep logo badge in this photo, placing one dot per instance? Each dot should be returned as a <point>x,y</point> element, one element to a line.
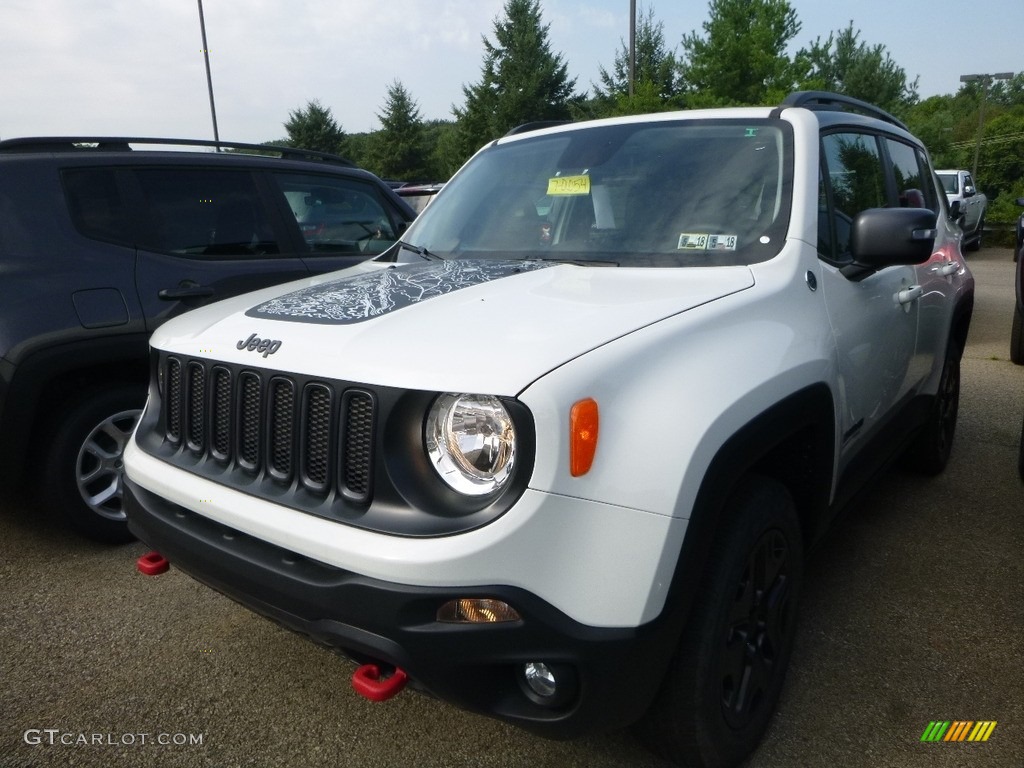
<point>255,344</point>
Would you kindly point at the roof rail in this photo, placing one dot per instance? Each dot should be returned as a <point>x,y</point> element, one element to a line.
<point>837,102</point>
<point>123,144</point>
<point>536,126</point>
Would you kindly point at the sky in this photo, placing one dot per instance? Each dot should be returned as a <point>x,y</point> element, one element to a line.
<point>135,67</point>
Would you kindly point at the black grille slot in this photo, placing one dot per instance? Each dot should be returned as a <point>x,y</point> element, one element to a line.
<point>316,442</point>
<point>282,433</point>
<point>196,393</point>
<point>249,421</point>
<point>220,419</point>
<point>357,445</point>
<point>262,431</point>
<point>173,421</point>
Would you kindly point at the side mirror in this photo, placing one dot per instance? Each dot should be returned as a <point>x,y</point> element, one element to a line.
<point>955,211</point>
<point>883,237</point>
<point>969,191</point>
<point>1020,201</point>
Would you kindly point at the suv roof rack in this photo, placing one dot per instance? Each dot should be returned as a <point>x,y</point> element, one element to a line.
<point>123,144</point>
<point>837,102</point>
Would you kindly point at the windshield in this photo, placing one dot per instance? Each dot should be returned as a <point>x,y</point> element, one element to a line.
<point>680,193</point>
<point>948,182</point>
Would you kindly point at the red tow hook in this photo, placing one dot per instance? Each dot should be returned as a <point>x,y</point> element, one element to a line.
<point>152,564</point>
<point>368,682</point>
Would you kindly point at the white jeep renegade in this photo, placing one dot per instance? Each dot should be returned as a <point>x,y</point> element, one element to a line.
<point>557,456</point>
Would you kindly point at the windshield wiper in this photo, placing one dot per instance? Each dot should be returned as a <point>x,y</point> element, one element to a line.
<point>420,251</point>
<point>577,262</point>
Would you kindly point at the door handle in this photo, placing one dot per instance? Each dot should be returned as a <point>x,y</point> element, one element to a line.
<point>187,289</point>
<point>949,268</point>
<point>910,294</point>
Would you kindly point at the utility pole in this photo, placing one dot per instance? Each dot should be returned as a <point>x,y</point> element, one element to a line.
<point>632,45</point>
<point>986,81</point>
<point>209,79</point>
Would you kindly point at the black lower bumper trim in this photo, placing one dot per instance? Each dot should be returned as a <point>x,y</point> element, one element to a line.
<point>477,667</point>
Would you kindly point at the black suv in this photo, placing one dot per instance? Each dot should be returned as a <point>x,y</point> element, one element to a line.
<point>100,242</point>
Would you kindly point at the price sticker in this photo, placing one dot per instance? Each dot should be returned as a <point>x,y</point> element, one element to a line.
<point>569,185</point>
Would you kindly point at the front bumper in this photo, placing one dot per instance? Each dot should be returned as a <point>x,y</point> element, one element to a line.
<point>613,673</point>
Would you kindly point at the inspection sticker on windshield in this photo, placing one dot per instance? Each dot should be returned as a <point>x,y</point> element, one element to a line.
<point>689,241</point>
<point>569,185</point>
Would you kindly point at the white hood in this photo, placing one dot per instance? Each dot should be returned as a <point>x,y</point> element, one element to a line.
<point>481,326</point>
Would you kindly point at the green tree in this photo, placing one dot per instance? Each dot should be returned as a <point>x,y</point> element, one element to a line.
<point>443,148</point>
<point>948,125</point>
<point>1001,159</point>
<point>656,84</point>
<point>845,64</point>
<point>315,128</point>
<point>522,80</point>
<point>931,120</point>
<point>741,58</point>
<point>398,150</point>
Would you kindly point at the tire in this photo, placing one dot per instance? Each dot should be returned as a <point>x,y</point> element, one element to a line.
<point>1017,337</point>
<point>929,453</point>
<point>83,469</point>
<point>975,243</point>
<point>727,673</point>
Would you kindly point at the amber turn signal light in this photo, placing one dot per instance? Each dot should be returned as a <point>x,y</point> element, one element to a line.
<point>583,424</point>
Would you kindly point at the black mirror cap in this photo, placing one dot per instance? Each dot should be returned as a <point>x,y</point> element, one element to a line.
<point>883,237</point>
<point>955,210</point>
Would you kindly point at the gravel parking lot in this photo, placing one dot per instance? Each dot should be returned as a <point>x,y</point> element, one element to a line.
<point>913,612</point>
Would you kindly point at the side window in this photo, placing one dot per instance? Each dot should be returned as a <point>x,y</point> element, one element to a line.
<point>337,215</point>
<point>910,173</point>
<point>854,173</point>
<point>204,212</point>
<point>97,205</point>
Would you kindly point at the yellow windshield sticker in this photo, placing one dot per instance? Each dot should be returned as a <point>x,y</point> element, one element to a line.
<point>569,185</point>
<point>698,241</point>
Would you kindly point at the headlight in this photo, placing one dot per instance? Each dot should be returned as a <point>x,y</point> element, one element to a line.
<point>471,441</point>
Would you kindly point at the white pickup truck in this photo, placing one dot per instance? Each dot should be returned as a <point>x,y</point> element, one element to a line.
<point>964,198</point>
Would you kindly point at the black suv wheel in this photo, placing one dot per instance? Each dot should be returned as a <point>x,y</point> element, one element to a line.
<point>84,467</point>
<point>729,667</point>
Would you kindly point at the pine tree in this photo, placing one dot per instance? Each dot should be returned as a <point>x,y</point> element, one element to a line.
<point>315,128</point>
<point>522,79</point>
<point>742,57</point>
<point>655,75</point>
<point>847,65</point>
<point>397,150</point>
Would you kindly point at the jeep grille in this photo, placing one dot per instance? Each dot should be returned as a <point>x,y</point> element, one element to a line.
<point>311,434</point>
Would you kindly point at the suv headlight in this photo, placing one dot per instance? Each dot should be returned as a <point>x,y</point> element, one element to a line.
<point>471,441</point>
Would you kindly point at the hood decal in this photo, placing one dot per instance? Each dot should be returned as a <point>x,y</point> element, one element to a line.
<point>366,296</point>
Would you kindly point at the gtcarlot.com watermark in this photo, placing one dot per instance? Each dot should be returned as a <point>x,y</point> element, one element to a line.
<point>58,737</point>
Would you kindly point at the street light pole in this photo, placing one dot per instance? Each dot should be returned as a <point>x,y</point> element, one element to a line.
<point>209,79</point>
<point>632,45</point>
<point>986,81</point>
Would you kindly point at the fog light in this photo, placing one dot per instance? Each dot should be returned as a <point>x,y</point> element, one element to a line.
<point>540,678</point>
<point>477,610</point>
<point>548,684</point>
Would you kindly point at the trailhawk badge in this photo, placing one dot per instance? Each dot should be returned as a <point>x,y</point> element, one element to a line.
<point>255,344</point>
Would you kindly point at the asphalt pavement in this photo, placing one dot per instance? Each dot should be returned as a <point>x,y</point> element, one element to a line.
<point>912,613</point>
